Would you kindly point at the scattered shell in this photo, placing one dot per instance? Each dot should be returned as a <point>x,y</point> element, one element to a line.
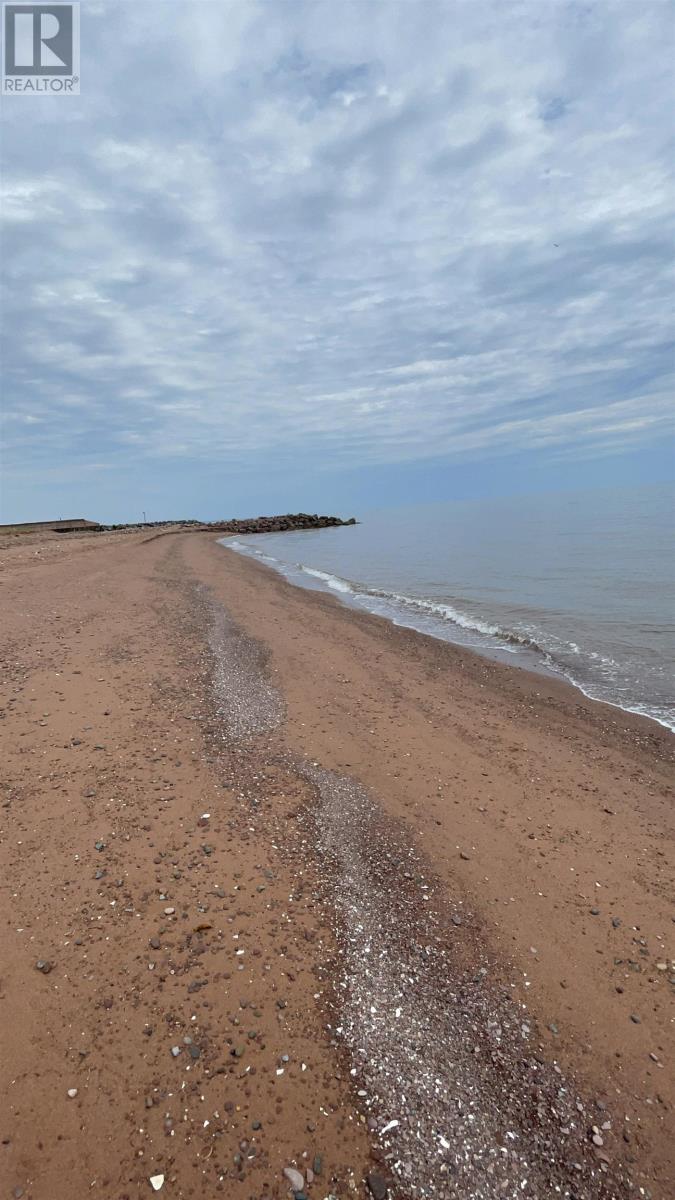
<point>294,1178</point>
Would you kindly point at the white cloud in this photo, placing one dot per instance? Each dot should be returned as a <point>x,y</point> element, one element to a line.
<point>309,229</point>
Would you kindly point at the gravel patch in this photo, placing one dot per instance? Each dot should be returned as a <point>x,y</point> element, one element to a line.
<point>441,1057</point>
<point>246,702</point>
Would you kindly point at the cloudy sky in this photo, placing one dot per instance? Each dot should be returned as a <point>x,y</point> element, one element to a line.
<point>323,255</point>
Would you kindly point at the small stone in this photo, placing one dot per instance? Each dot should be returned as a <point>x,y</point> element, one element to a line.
<point>456,919</point>
<point>194,1052</point>
<point>175,1050</point>
<point>99,846</point>
<point>616,921</point>
<point>155,943</point>
<point>464,856</point>
<point>377,1187</point>
<point>595,912</point>
<point>156,1182</point>
<point>168,912</point>
<point>294,1178</point>
<point>635,1019</point>
<point>72,1092</point>
<point>43,965</point>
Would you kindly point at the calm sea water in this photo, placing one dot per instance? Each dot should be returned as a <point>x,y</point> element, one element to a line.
<point>581,584</point>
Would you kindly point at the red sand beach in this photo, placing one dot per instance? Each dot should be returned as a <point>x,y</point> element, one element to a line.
<point>312,893</point>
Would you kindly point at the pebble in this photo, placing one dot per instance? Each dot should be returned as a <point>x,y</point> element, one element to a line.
<point>377,1187</point>
<point>43,965</point>
<point>294,1178</point>
<point>168,912</point>
<point>72,1092</point>
<point>635,1019</point>
<point>175,1050</point>
<point>466,859</point>
<point>156,1182</point>
<point>99,845</point>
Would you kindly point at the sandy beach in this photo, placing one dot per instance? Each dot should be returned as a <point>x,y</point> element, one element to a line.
<point>287,888</point>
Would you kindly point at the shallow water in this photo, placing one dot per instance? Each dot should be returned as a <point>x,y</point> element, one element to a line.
<point>579,584</point>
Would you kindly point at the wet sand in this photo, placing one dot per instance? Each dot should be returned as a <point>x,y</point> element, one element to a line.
<point>422,937</point>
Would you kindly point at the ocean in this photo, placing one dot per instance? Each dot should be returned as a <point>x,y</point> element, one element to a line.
<point>580,585</point>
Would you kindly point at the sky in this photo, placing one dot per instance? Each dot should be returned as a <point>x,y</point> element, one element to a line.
<point>328,256</point>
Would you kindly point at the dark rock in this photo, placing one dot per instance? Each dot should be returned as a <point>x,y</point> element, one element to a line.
<point>377,1187</point>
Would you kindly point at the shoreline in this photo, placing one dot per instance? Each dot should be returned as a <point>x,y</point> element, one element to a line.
<point>527,654</point>
<point>552,677</point>
<point>168,701</point>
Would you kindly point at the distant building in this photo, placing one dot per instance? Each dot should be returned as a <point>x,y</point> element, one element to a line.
<point>60,526</point>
